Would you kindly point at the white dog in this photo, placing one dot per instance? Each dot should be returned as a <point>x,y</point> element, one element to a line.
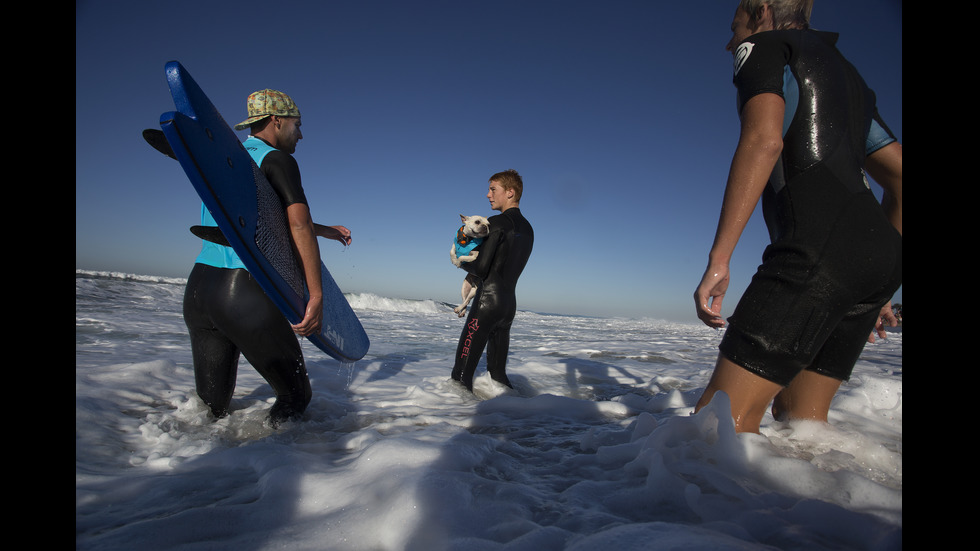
<point>468,237</point>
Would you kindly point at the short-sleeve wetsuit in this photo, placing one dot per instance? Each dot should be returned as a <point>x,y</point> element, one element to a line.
<point>834,258</point>
<point>228,314</point>
<point>503,256</point>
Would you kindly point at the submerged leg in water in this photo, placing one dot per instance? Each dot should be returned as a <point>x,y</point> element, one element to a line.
<point>228,315</point>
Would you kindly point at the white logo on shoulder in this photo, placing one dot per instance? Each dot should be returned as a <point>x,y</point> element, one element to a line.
<point>742,55</point>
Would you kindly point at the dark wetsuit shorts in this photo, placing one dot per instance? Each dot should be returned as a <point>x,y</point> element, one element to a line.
<point>835,259</point>
<point>813,306</point>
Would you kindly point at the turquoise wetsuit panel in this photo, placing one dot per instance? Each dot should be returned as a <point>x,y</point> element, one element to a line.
<point>220,256</point>
<point>213,254</point>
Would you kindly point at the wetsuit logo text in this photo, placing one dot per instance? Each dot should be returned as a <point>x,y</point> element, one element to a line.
<point>471,327</point>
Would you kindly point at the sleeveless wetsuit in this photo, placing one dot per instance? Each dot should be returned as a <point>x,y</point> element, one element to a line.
<point>228,314</point>
<point>503,255</point>
<point>834,258</point>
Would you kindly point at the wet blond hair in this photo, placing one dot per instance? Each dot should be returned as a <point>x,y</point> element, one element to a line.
<point>786,14</point>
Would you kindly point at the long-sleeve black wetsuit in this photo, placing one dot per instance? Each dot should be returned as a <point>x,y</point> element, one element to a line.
<point>502,258</point>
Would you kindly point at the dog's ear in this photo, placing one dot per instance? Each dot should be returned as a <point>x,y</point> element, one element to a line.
<point>463,218</point>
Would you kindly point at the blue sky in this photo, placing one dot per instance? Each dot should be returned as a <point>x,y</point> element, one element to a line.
<point>619,115</point>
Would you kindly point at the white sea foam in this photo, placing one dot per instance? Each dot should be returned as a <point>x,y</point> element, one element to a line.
<point>595,449</point>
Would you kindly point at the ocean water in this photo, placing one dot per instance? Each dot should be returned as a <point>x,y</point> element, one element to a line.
<point>597,447</point>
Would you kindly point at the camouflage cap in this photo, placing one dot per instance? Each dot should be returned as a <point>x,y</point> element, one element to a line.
<point>268,102</point>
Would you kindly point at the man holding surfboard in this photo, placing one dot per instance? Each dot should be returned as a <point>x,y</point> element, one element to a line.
<point>226,311</point>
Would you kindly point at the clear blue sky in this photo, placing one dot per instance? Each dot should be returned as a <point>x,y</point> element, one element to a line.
<point>620,116</point>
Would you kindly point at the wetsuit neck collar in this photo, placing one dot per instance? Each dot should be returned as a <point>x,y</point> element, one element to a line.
<point>254,137</point>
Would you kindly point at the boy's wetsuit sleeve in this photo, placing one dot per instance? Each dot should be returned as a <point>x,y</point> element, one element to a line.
<point>504,253</point>
<point>480,266</point>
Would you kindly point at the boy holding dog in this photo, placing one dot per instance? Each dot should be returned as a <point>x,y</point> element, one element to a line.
<point>502,258</point>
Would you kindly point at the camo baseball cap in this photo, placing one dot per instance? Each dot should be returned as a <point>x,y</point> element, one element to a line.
<point>265,103</point>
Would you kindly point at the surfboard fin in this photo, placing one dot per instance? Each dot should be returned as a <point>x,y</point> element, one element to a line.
<point>158,141</point>
<point>211,233</point>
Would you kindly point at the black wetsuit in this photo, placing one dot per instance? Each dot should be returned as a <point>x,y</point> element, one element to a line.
<point>503,255</point>
<point>835,259</point>
<point>228,314</point>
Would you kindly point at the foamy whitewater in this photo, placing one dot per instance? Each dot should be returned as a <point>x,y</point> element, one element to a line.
<point>596,448</point>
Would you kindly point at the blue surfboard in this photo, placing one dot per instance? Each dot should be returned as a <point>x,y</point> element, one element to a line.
<point>250,214</point>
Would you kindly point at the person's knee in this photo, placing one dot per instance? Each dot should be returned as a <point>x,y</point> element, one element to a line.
<point>780,408</point>
<point>749,393</point>
<point>808,396</point>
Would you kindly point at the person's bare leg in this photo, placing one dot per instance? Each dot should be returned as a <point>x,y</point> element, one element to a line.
<point>749,393</point>
<point>807,396</point>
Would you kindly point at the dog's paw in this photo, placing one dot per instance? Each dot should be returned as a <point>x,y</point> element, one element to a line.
<point>460,310</point>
